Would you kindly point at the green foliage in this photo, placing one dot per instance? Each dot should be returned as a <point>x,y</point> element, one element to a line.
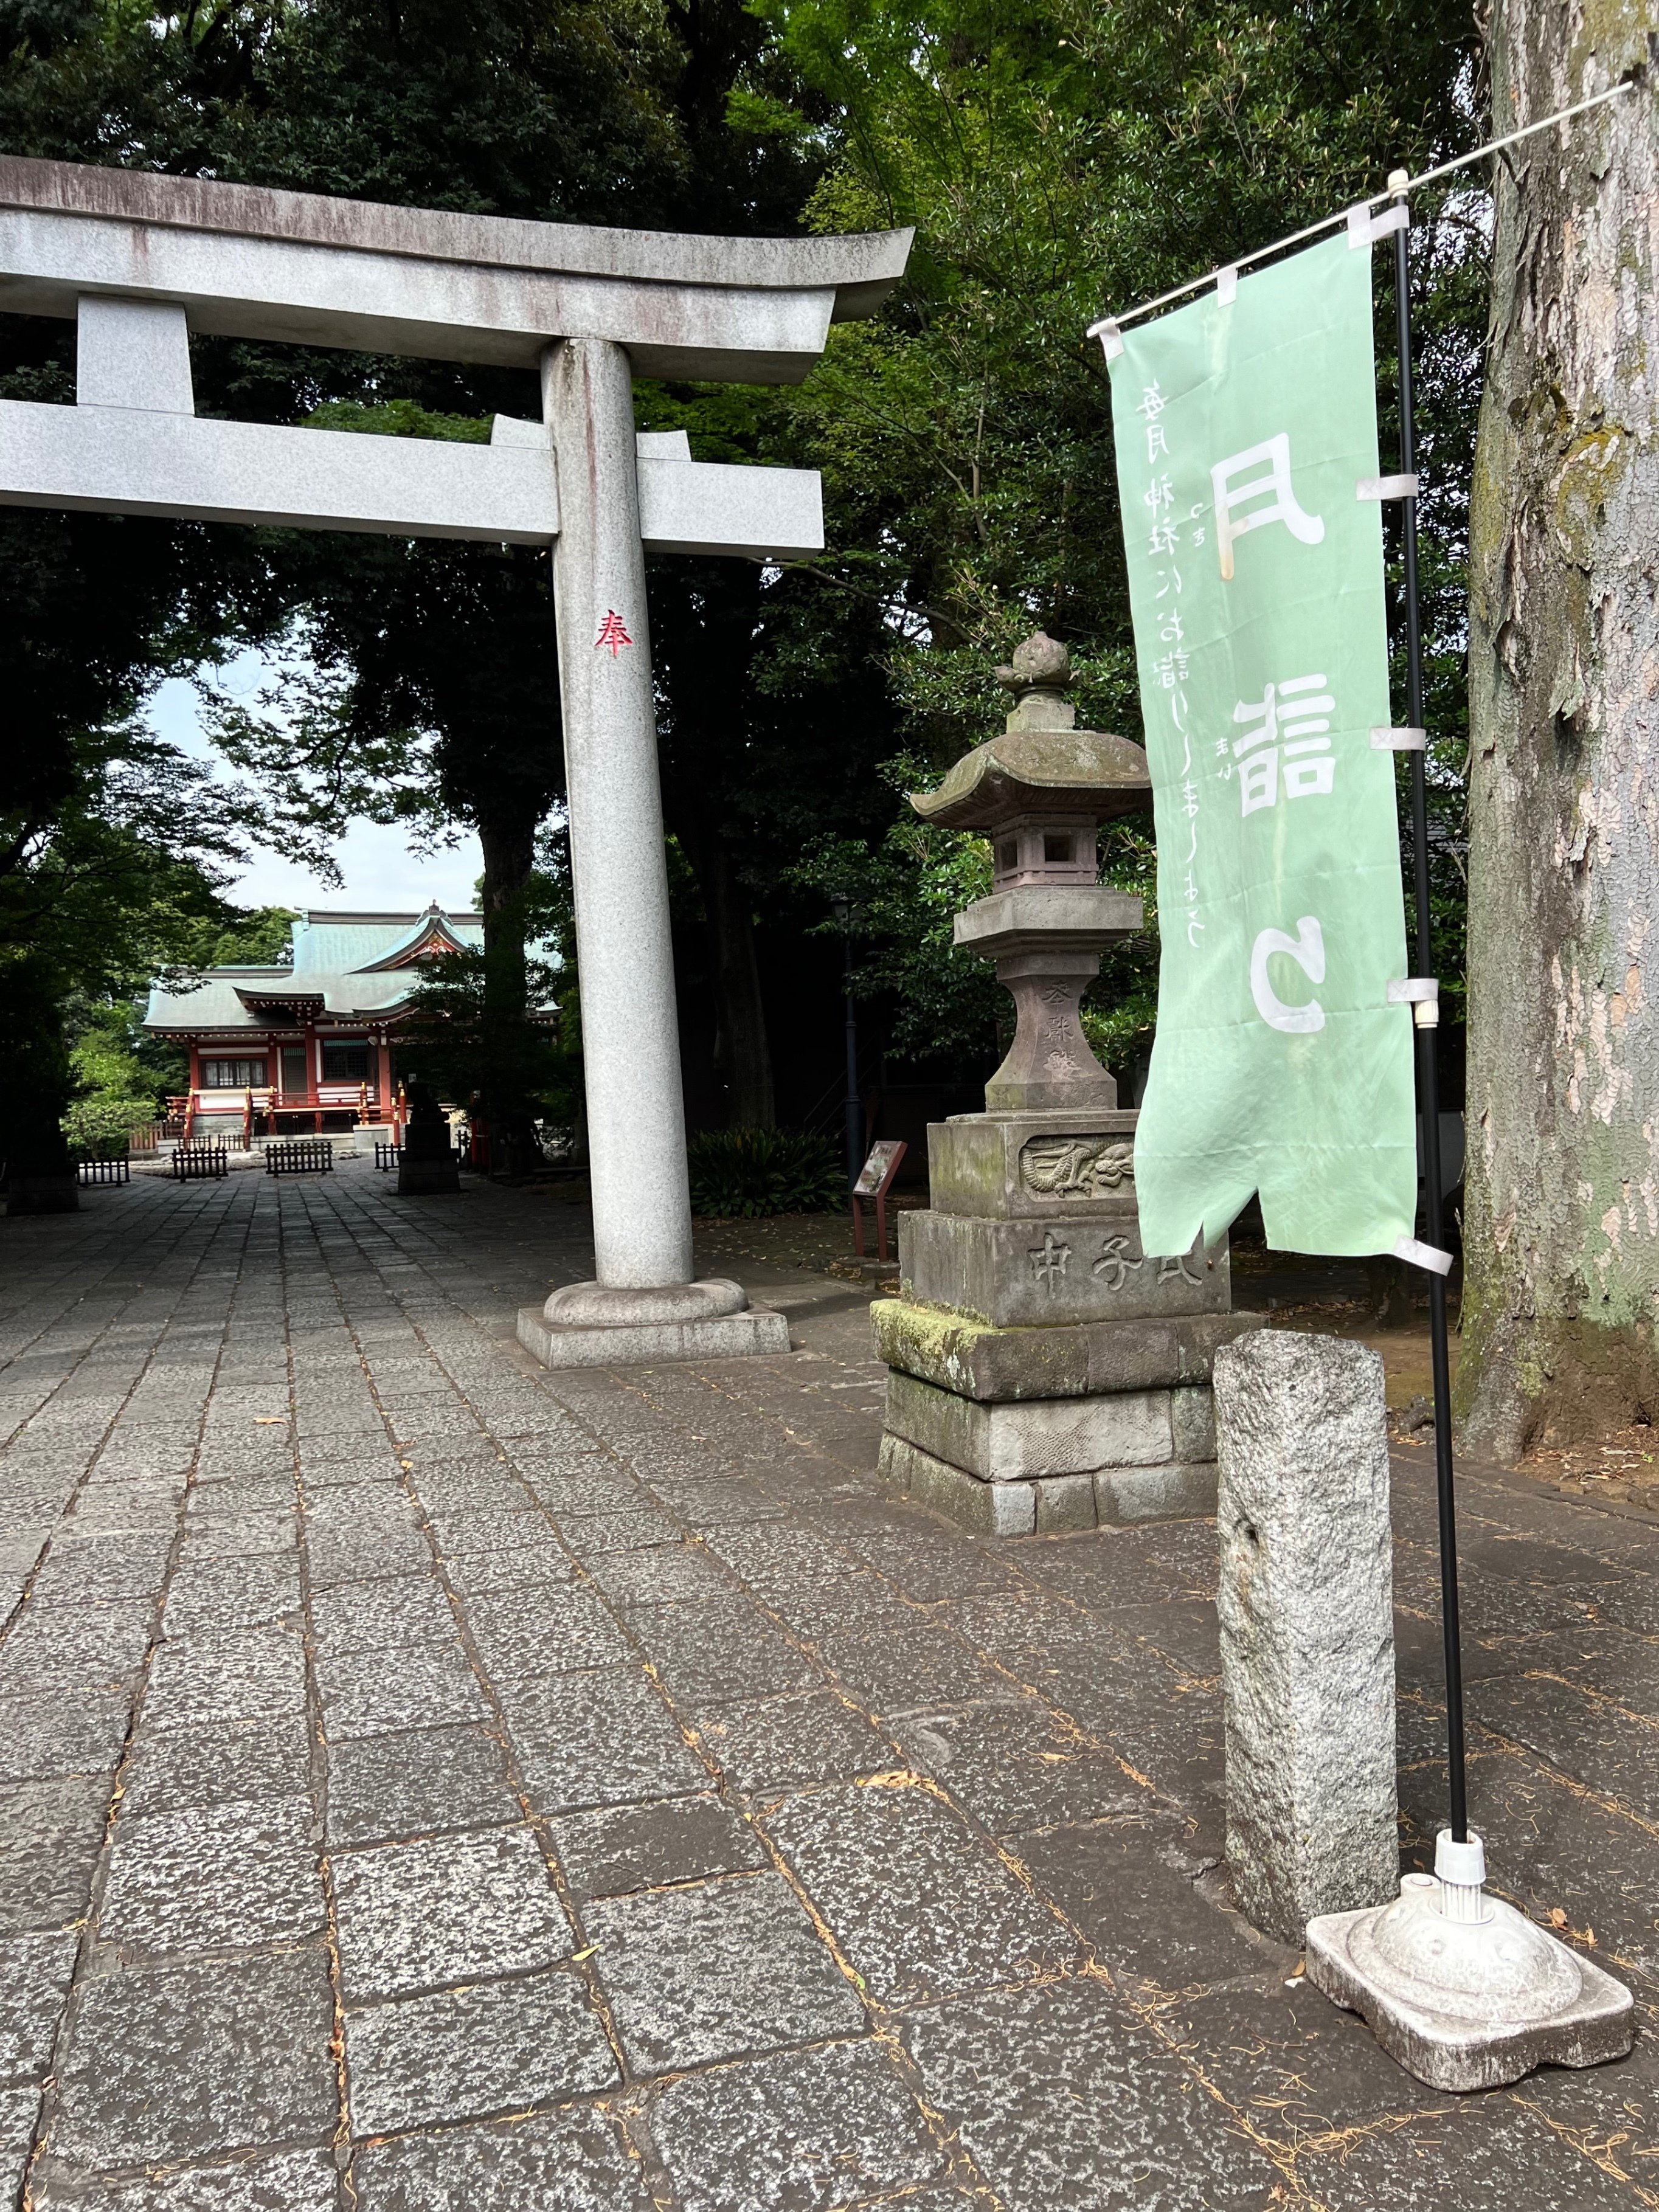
<point>102,1122</point>
<point>120,1073</point>
<point>400,418</point>
<point>1057,157</point>
<point>905,895</point>
<point>1060,159</point>
<point>744,1173</point>
<point>254,937</point>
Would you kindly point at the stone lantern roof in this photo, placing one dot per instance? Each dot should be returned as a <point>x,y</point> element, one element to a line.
<point>1041,768</point>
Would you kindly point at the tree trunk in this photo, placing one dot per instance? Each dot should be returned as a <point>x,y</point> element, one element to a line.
<point>742,1053</point>
<point>36,1083</point>
<point>704,620</point>
<point>509,854</point>
<point>1561,1226</point>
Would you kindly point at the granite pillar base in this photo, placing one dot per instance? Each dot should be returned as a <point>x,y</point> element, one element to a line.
<point>601,1325</point>
<point>1049,1505</point>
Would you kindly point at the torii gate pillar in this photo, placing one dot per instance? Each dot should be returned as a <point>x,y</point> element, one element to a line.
<point>631,1036</point>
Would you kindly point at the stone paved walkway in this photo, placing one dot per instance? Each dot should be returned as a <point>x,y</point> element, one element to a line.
<point>426,1782</point>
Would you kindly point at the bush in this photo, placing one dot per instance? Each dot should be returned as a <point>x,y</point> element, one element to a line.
<point>753,1171</point>
<point>102,1126</point>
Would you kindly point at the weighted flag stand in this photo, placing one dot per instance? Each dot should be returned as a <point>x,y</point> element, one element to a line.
<point>1461,1988</point>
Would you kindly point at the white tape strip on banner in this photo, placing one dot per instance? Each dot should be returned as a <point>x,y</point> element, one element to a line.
<point>1386,487</point>
<point>1111,339</point>
<point>1398,741</point>
<point>1364,229</point>
<point>1226,287</point>
<point>1429,1256</point>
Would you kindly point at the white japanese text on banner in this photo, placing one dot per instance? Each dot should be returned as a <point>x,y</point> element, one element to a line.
<point>1245,436</point>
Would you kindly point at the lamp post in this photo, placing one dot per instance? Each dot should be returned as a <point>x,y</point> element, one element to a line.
<point>844,911</point>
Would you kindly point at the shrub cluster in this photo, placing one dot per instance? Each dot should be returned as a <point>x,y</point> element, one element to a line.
<point>747,1172</point>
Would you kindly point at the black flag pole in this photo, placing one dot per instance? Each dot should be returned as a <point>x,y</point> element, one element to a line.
<point>1426,1012</point>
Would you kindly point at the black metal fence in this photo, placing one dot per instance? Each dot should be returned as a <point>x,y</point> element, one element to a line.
<point>300,1155</point>
<point>96,1170</point>
<point>202,1160</point>
<point>388,1156</point>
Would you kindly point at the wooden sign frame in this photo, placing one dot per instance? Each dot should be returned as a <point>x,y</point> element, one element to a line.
<point>875,1181</point>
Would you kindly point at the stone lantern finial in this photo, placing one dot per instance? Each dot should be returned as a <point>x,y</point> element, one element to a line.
<point>1041,671</point>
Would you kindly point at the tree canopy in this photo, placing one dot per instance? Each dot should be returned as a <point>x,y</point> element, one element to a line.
<point>1054,159</point>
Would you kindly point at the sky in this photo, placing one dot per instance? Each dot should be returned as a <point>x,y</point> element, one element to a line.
<point>381,873</point>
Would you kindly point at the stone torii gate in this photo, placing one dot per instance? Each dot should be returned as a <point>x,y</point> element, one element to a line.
<point>140,260</point>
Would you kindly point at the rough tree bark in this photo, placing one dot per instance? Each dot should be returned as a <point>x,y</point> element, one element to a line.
<point>704,618</point>
<point>507,843</point>
<point>1561,1224</point>
<point>743,1053</point>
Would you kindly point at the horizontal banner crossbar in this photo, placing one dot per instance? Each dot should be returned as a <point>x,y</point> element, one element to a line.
<point>1399,184</point>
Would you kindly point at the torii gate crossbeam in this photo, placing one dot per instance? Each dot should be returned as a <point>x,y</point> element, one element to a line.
<point>141,260</point>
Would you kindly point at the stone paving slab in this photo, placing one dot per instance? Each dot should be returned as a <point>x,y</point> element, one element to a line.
<point>428,1783</point>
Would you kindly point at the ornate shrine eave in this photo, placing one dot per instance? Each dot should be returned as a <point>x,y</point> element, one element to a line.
<point>304,268</point>
<point>281,1002</point>
<point>431,935</point>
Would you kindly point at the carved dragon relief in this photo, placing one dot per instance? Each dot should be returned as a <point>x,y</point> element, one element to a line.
<point>1076,1167</point>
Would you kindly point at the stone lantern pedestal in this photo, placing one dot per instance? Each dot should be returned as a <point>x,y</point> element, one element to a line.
<point>1045,1372</point>
<point>426,1159</point>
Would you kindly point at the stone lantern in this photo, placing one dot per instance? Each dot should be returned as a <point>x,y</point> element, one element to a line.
<point>1040,792</point>
<point>1045,1372</point>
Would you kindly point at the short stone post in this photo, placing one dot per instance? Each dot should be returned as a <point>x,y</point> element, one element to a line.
<point>1306,1604</point>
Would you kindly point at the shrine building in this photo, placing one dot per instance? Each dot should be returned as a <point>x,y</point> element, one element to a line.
<point>307,1046</point>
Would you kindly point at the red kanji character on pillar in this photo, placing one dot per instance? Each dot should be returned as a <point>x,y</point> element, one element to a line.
<point>613,633</point>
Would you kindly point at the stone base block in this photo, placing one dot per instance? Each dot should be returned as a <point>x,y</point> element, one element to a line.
<point>724,1336</point>
<point>1183,1490</point>
<point>954,1352</point>
<point>1050,1504</point>
<point>1064,1269</point>
<point>1029,1165</point>
<point>1467,2006</point>
<point>1036,1438</point>
<point>419,1178</point>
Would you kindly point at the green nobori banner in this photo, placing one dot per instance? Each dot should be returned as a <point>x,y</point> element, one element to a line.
<point>1245,436</point>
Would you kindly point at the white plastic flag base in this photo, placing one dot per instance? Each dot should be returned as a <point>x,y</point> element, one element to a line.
<point>1461,1989</point>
